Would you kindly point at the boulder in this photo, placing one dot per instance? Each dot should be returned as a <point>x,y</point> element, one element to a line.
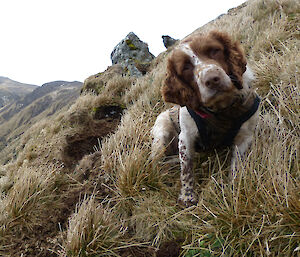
<point>168,41</point>
<point>133,55</point>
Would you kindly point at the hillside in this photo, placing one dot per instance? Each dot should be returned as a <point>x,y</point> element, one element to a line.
<point>83,182</point>
<point>20,115</point>
<point>11,90</point>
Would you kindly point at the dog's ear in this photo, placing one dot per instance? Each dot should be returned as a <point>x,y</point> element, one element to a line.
<point>179,83</point>
<point>235,58</point>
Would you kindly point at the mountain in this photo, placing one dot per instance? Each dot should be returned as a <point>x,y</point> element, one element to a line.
<point>11,90</point>
<point>19,115</point>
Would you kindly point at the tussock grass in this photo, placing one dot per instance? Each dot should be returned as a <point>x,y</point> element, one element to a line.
<point>259,212</point>
<point>29,209</point>
<point>130,199</point>
<point>125,154</point>
<point>93,229</point>
<point>29,189</point>
<point>156,217</point>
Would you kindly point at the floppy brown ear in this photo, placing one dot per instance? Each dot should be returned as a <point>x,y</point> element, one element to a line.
<point>178,86</point>
<point>235,58</point>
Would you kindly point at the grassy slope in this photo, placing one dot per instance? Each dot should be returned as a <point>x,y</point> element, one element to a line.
<point>119,202</point>
<point>38,105</point>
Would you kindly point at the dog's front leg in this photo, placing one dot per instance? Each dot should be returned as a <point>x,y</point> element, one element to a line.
<point>187,196</point>
<point>239,151</point>
<point>242,142</point>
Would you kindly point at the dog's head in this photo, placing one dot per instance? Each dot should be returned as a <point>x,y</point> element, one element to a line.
<point>204,69</point>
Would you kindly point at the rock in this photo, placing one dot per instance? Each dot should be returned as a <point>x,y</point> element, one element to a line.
<point>133,55</point>
<point>168,41</point>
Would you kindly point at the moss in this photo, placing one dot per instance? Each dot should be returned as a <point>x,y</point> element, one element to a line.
<point>130,44</point>
<point>99,88</point>
<point>99,74</point>
<point>126,71</point>
<point>209,246</point>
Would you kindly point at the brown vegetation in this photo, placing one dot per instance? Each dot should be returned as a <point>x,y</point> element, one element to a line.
<point>113,200</point>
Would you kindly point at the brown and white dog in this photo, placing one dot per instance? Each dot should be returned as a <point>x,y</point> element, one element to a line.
<point>208,78</point>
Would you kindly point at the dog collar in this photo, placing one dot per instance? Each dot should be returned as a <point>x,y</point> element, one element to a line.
<point>202,114</point>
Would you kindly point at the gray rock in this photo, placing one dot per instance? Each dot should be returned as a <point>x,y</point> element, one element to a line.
<point>133,55</point>
<point>168,41</point>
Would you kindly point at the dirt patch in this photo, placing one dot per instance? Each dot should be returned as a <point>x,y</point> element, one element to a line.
<point>138,252</point>
<point>77,147</point>
<point>105,121</point>
<point>170,249</point>
<point>167,249</point>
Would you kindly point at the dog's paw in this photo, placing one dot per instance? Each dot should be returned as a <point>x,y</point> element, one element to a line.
<point>188,200</point>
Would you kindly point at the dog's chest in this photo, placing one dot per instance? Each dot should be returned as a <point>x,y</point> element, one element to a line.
<point>220,130</point>
<point>213,134</point>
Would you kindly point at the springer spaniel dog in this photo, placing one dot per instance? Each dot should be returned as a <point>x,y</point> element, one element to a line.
<point>209,81</point>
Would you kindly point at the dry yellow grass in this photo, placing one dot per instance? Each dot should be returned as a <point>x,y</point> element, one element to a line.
<point>119,202</point>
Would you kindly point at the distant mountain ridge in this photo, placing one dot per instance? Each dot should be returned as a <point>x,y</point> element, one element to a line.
<point>44,101</point>
<point>8,111</point>
<point>11,90</point>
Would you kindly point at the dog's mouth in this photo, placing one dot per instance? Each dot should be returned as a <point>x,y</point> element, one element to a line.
<point>218,100</point>
<point>213,83</point>
<point>211,94</point>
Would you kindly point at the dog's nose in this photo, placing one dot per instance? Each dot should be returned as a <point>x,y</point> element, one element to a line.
<point>212,79</point>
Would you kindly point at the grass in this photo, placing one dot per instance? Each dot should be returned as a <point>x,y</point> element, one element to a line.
<point>92,229</point>
<point>117,201</point>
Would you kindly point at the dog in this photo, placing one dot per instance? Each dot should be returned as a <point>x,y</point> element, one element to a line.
<point>209,82</point>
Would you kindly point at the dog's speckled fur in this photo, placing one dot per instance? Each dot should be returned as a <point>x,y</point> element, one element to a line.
<point>205,72</point>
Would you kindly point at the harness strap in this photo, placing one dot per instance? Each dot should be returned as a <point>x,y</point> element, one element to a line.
<point>201,125</point>
<point>239,122</point>
<point>230,135</point>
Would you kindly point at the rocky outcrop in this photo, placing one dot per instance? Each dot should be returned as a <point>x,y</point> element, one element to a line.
<point>168,41</point>
<point>133,55</point>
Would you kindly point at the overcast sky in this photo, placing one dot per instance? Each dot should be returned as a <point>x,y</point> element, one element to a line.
<point>47,40</point>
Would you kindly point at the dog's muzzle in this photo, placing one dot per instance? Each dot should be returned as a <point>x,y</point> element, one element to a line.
<point>214,77</point>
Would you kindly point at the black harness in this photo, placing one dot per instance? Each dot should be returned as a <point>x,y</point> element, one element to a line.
<point>230,135</point>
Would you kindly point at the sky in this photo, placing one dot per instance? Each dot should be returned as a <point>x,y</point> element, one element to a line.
<point>48,40</point>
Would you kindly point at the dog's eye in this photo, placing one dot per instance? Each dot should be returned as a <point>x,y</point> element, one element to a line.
<point>187,71</point>
<point>187,66</point>
<point>215,53</point>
